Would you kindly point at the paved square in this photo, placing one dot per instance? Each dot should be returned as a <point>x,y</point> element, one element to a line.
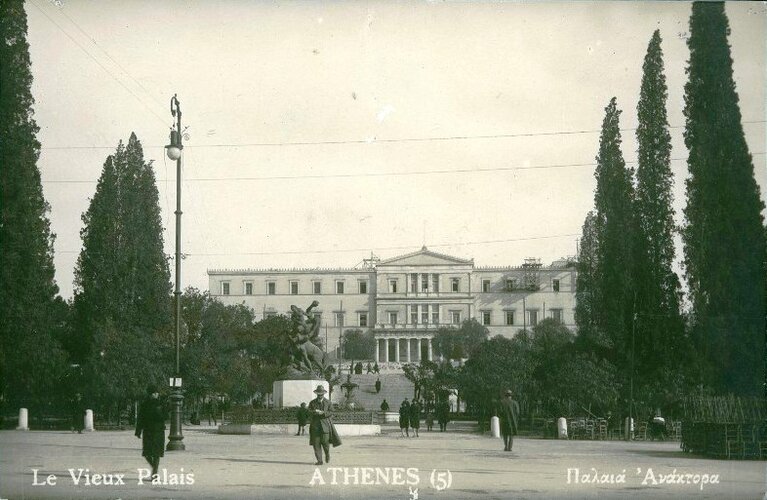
<point>282,467</point>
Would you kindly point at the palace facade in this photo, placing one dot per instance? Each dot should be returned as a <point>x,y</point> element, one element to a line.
<point>405,299</point>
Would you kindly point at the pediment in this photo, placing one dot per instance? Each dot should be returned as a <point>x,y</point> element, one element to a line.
<point>424,257</point>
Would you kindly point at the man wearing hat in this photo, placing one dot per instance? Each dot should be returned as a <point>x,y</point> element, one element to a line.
<point>320,426</point>
<point>151,423</point>
<point>509,416</point>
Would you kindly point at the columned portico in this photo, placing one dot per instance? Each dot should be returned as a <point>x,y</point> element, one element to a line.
<point>393,347</point>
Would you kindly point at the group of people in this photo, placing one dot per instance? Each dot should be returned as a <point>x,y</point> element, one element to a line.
<point>409,417</point>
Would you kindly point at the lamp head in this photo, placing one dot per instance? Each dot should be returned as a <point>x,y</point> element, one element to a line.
<point>173,149</point>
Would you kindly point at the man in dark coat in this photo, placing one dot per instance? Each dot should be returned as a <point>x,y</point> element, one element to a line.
<point>509,416</point>
<point>443,415</point>
<point>415,416</point>
<point>303,417</point>
<point>320,426</point>
<point>384,405</point>
<point>378,385</point>
<point>78,414</point>
<point>150,427</point>
<point>404,418</point>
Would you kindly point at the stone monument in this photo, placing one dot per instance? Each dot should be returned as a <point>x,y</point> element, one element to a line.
<point>308,363</point>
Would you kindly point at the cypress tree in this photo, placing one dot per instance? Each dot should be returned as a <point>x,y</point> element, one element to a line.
<point>122,280</point>
<point>723,236</point>
<point>659,328</point>
<point>614,225</point>
<point>27,287</point>
<point>587,297</point>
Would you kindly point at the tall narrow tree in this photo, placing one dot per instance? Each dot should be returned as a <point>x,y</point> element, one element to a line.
<point>122,295</point>
<point>659,328</point>
<point>27,287</point>
<point>615,226</point>
<point>723,235</point>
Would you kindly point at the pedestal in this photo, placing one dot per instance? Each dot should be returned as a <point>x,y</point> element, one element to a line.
<point>495,427</point>
<point>290,393</point>
<point>23,420</point>
<point>88,420</point>
<point>176,436</point>
<point>562,428</point>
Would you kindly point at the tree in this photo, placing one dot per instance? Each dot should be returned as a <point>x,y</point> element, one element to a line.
<point>270,351</point>
<point>422,377</point>
<point>659,326</point>
<point>357,344</point>
<point>459,343</point>
<point>723,237</point>
<point>122,280</point>
<point>587,292</point>
<point>614,224</point>
<point>27,287</point>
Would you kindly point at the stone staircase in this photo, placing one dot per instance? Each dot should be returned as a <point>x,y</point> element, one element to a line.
<point>394,388</point>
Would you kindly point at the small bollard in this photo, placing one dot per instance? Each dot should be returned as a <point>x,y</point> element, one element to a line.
<point>562,428</point>
<point>88,421</point>
<point>629,429</point>
<point>495,427</point>
<point>23,420</point>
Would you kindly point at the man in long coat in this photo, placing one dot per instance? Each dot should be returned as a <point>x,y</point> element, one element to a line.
<point>404,418</point>
<point>509,416</point>
<point>415,416</point>
<point>320,426</point>
<point>150,427</point>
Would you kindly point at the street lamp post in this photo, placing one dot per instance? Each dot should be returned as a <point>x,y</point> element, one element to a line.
<point>175,438</point>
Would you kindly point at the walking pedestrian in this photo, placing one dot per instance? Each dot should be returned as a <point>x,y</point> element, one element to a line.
<point>78,413</point>
<point>150,427</point>
<point>509,416</point>
<point>303,417</point>
<point>415,416</point>
<point>320,426</point>
<point>443,413</point>
<point>404,418</point>
<point>378,385</point>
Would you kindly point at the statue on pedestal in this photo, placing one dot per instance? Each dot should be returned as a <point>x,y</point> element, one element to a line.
<point>308,358</point>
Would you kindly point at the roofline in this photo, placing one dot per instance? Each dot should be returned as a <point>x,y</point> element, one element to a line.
<point>425,250</point>
<point>291,270</point>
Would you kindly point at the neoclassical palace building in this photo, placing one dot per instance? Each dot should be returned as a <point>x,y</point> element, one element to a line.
<point>405,299</point>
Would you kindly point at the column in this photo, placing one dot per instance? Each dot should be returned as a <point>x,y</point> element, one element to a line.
<point>431,358</point>
<point>386,350</point>
<point>407,340</point>
<point>396,351</point>
<point>419,350</point>
<point>419,280</point>
<point>378,351</point>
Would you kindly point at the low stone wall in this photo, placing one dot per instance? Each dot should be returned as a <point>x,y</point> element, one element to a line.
<point>287,429</point>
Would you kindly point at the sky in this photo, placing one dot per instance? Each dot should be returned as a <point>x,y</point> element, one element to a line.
<point>319,132</point>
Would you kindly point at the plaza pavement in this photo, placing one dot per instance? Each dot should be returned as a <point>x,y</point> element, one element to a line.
<point>226,466</point>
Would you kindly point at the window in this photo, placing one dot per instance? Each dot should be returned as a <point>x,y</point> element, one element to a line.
<point>533,317</point>
<point>392,318</point>
<point>454,284</point>
<point>509,317</point>
<point>248,288</point>
<point>317,287</point>
<point>455,317</point>
<point>556,314</point>
<point>224,288</point>
<point>363,319</point>
<point>339,287</point>
<point>485,317</point>
<point>413,314</point>
<point>485,286</point>
<point>294,288</point>
<point>392,286</point>
<point>424,282</point>
<point>271,288</point>
<point>363,286</point>
<point>413,283</point>
<point>435,314</point>
<point>339,319</point>
<point>555,285</point>
<point>425,314</point>
<point>511,284</point>
<point>435,283</point>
